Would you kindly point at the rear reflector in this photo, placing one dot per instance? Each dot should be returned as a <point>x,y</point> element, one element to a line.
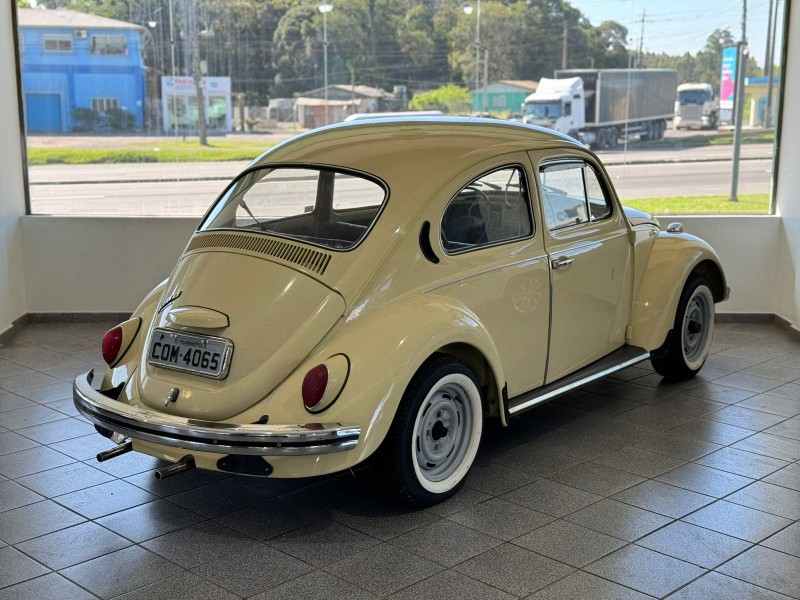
<point>314,385</point>
<point>112,343</point>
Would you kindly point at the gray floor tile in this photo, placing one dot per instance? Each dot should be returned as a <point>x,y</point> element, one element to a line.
<point>368,569</point>
<point>574,443</point>
<point>66,479</point>
<point>9,401</point>
<point>34,520</point>
<point>501,519</point>
<point>766,568</point>
<point>322,543</point>
<point>742,463</point>
<point>50,393</point>
<point>317,585</point>
<point>663,498</point>
<point>788,390</point>
<point>183,586</point>
<point>682,447</point>
<point>13,495</point>
<point>73,545</point>
<point>495,479</point>
<point>85,447</point>
<point>738,521</point>
<point>535,460</point>
<point>218,498</point>
<point>694,544</point>
<point>752,383</point>
<point>715,586</point>
<point>105,499</point>
<point>719,393</point>
<point>769,498</point>
<point>198,544</point>
<point>127,464</point>
<point>747,418</point>
<point>778,405</point>
<point>569,543</point>
<point>713,431</point>
<point>787,540</point>
<point>513,569</point>
<point>253,570</point>
<point>645,570</point>
<point>17,567</point>
<point>445,542</point>
<point>639,462</point>
<point>449,585</point>
<point>25,381</point>
<point>48,587</point>
<point>705,480</point>
<point>33,460</point>
<point>385,520</point>
<point>597,479</point>
<point>65,406</point>
<point>268,519</point>
<point>174,485</point>
<point>132,568</point>
<point>57,431</point>
<point>788,477</point>
<point>770,445</point>
<point>464,499</point>
<point>12,442</point>
<point>585,585</point>
<point>773,371</point>
<point>552,498</point>
<point>618,520</point>
<point>149,520</point>
<point>789,428</point>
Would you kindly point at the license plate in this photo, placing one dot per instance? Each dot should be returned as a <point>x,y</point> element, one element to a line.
<point>199,354</point>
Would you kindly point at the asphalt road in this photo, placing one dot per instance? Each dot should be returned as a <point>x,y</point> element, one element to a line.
<point>187,189</point>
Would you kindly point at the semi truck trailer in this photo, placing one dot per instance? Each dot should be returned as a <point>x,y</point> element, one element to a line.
<point>601,107</point>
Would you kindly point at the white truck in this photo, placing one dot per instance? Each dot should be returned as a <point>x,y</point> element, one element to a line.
<point>600,107</point>
<point>696,106</point>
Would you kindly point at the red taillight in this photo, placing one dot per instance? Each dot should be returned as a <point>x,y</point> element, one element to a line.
<point>314,385</point>
<point>112,342</point>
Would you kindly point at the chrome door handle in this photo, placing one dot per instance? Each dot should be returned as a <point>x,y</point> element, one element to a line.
<point>561,262</point>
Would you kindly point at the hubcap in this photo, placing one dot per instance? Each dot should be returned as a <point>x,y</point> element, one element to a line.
<point>441,438</point>
<point>696,323</point>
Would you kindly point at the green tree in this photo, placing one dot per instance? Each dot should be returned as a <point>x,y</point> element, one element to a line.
<point>450,99</point>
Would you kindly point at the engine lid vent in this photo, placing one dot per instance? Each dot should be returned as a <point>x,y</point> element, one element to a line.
<point>308,258</point>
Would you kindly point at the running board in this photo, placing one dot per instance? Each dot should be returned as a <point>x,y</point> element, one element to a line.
<point>616,361</point>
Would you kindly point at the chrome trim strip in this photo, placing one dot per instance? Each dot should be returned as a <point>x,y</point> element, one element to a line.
<point>209,436</point>
<point>537,399</point>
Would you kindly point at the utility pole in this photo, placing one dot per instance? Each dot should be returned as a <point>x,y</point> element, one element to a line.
<point>739,105</point>
<point>564,46</point>
<point>190,21</point>
<point>641,43</point>
<point>769,65</point>
<point>486,80</point>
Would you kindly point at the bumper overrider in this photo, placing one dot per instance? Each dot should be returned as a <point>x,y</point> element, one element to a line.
<point>209,436</point>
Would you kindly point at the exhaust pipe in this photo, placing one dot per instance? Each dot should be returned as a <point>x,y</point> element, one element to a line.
<point>184,464</point>
<point>114,452</point>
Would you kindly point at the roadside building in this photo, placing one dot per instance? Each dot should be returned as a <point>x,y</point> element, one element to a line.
<point>504,96</point>
<point>72,60</point>
<point>756,90</point>
<point>343,101</point>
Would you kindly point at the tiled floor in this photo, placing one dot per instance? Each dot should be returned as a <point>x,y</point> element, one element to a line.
<point>626,489</point>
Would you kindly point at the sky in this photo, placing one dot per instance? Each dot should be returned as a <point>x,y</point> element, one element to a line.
<point>678,26</point>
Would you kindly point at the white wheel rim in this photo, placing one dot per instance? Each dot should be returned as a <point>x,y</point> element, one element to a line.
<point>446,433</point>
<point>697,327</point>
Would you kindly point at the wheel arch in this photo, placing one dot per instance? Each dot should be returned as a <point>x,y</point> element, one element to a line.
<point>493,401</point>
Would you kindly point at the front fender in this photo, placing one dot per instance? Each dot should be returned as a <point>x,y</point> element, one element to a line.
<point>385,348</point>
<point>673,258</point>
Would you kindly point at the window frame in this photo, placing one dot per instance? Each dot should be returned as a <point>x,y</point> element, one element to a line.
<point>527,200</point>
<point>58,38</point>
<point>104,101</point>
<point>107,37</point>
<point>575,160</point>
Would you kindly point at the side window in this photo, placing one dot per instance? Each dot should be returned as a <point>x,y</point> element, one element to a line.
<point>491,209</point>
<point>567,109</point>
<point>572,194</point>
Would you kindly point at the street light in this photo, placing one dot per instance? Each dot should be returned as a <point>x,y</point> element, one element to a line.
<point>468,11</point>
<point>325,9</point>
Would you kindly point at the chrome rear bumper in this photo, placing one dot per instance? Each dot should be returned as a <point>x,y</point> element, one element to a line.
<point>210,436</point>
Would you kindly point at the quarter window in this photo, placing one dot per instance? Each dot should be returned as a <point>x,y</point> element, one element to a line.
<point>493,208</point>
<point>572,194</point>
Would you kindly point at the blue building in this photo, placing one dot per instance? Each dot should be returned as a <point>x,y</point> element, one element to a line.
<point>76,60</point>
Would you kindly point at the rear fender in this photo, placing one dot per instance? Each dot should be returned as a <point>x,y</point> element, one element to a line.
<point>673,258</point>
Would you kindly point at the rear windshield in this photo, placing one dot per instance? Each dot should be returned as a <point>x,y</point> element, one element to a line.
<point>320,206</point>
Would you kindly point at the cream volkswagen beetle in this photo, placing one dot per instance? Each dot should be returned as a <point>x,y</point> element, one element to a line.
<point>382,288</point>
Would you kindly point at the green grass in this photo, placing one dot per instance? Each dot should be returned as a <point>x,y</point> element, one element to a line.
<point>168,152</point>
<point>689,205</point>
<point>714,139</point>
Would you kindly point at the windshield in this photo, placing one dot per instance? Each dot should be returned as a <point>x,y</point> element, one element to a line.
<point>318,206</point>
<point>543,110</point>
<point>693,97</point>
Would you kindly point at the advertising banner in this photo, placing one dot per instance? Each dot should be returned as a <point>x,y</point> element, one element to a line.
<point>727,86</point>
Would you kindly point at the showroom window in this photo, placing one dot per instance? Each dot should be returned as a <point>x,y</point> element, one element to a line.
<point>185,94</point>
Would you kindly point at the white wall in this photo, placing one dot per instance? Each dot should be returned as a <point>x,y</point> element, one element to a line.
<point>788,195</point>
<point>12,198</point>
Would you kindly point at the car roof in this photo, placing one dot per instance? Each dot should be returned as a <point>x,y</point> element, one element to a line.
<point>383,146</point>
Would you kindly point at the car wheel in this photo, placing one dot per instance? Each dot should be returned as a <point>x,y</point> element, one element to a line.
<point>436,432</point>
<point>688,346</point>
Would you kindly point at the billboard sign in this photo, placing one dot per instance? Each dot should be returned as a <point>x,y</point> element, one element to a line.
<point>727,86</point>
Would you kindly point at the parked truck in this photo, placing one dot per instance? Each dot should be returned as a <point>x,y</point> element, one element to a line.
<point>601,107</point>
<point>696,106</point>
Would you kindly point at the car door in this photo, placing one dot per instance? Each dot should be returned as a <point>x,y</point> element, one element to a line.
<point>495,264</point>
<point>590,256</point>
